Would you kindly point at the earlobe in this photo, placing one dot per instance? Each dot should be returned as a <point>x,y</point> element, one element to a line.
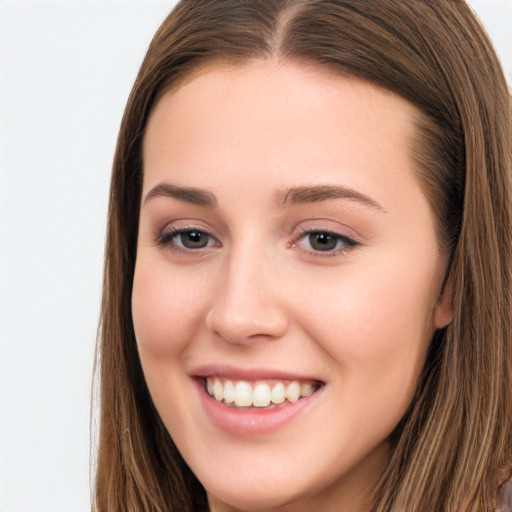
<point>443,313</point>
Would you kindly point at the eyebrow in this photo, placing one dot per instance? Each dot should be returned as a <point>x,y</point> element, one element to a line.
<point>191,195</point>
<point>288,197</point>
<point>317,193</point>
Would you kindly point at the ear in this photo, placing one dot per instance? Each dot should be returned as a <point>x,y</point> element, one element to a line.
<point>443,312</point>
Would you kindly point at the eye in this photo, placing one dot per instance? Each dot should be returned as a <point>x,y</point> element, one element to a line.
<point>326,241</point>
<point>187,239</point>
<point>192,239</point>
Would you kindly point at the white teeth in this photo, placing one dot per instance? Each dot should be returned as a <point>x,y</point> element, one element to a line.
<point>277,395</point>
<point>218,390</point>
<point>229,392</point>
<point>293,392</point>
<point>242,393</point>
<point>261,396</point>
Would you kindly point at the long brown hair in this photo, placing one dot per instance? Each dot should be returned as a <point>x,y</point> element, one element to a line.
<point>455,442</point>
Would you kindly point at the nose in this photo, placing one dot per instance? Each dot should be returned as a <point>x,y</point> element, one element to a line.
<point>247,305</point>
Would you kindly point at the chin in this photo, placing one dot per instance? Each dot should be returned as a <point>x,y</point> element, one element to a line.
<point>252,498</point>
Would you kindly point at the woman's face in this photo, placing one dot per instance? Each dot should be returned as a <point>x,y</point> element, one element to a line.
<point>287,283</point>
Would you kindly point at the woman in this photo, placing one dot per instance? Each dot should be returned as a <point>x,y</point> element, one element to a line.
<point>307,285</point>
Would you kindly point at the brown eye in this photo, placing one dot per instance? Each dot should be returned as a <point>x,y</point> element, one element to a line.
<point>326,242</point>
<point>323,241</point>
<point>193,239</point>
<point>187,239</point>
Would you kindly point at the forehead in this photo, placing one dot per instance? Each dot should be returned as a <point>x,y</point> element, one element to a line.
<point>253,82</point>
<point>273,103</point>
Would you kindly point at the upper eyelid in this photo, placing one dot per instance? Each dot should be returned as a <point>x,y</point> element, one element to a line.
<point>345,232</point>
<point>180,225</point>
<point>174,231</point>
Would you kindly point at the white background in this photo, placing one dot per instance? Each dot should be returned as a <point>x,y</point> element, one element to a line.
<point>66,70</point>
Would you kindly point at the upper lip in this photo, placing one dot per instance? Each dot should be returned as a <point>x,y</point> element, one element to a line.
<point>249,374</point>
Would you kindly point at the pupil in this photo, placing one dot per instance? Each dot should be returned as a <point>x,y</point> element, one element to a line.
<point>194,239</point>
<point>323,241</point>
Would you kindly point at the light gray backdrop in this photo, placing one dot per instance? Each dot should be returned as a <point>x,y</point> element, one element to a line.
<point>66,71</point>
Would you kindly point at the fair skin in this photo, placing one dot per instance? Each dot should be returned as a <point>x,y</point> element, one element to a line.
<point>284,240</point>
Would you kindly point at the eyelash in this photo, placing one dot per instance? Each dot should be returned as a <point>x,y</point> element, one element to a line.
<point>167,238</point>
<point>347,243</point>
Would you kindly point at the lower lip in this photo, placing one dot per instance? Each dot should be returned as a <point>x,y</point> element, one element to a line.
<point>252,422</point>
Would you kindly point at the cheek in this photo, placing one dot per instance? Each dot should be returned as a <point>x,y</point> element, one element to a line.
<point>164,308</point>
<point>377,327</point>
<point>384,304</point>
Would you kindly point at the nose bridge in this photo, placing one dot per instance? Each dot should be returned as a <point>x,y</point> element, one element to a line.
<point>247,303</point>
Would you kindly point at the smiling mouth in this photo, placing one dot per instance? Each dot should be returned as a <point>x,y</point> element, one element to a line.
<point>241,394</point>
